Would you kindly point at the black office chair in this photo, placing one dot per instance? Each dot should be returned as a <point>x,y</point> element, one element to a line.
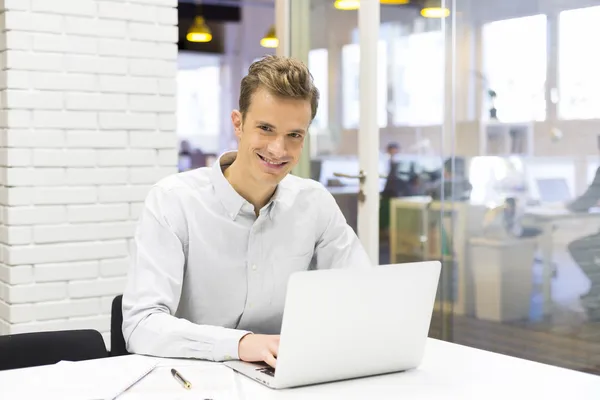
<point>44,348</point>
<point>117,341</point>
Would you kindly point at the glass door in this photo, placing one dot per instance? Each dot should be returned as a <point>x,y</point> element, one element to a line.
<point>486,113</point>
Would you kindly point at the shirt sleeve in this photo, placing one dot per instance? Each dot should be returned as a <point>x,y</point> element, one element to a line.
<point>154,287</point>
<point>337,245</point>
<point>588,199</point>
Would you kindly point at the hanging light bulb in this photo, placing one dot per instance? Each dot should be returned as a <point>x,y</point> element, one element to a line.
<point>270,39</point>
<point>434,9</point>
<point>346,5</point>
<point>199,31</point>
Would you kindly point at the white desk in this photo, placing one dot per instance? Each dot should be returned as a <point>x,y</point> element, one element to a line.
<point>545,218</point>
<point>448,372</point>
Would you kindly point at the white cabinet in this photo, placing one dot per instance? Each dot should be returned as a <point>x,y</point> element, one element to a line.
<point>503,277</point>
<point>504,139</point>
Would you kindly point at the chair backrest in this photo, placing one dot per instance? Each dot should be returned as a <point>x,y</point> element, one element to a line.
<point>407,228</point>
<point>117,341</point>
<point>43,348</point>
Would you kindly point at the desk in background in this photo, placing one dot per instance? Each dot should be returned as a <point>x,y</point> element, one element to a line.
<point>545,218</point>
<point>347,199</point>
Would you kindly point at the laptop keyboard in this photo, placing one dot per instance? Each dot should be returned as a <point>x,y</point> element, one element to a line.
<point>269,371</point>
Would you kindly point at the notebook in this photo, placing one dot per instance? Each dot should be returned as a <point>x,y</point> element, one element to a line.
<point>101,379</point>
<point>209,381</point>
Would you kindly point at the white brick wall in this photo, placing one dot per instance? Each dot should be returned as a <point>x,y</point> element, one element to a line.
<point>87,126</point>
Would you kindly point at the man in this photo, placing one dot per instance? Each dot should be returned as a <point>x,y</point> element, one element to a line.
<point>590,198</point>
<point>185,156</point>
<point>455,186</point>
<point>586,250</point>
<point>214,247</point>
<point>395,186</point>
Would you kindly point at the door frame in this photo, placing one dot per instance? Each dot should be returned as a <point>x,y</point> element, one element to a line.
<point>368,132</point>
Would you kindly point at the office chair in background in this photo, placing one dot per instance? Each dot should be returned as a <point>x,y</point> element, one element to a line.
<point>44,348</point>
<point>117,341</point>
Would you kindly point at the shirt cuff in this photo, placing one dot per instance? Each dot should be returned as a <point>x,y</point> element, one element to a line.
<point>226,348</point>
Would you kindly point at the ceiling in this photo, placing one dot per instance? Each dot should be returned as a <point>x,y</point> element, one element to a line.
<point>219,12</point>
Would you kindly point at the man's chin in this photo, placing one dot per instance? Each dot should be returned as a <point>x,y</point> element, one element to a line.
<point>273,177</point>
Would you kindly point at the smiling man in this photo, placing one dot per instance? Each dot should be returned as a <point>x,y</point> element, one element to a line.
<point>214,247</point>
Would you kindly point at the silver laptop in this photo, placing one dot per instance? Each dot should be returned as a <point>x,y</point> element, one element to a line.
<point>553,190</point>
<point>350,323</point>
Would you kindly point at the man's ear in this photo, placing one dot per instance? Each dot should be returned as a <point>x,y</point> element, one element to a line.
<point>236,120</point>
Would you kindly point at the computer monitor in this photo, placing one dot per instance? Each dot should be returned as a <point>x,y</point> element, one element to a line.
<point>553,190</point>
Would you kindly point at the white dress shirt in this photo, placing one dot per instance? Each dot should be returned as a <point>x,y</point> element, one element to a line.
<point>205,270</point>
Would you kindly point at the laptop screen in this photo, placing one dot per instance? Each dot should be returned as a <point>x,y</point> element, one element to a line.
<point>553,190</point>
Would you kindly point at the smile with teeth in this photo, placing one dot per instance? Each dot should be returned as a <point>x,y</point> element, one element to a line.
<point>270,162</point>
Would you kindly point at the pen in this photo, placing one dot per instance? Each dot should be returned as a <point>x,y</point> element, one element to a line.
<point>180,379</point>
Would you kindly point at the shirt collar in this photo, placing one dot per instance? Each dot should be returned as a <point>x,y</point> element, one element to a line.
<point>233,202</point>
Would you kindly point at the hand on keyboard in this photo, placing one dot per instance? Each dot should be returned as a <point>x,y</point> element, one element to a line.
<point>255,348</point>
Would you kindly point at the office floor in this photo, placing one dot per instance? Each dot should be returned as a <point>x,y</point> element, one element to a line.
<point>531,342</point>
<point>568,338</point>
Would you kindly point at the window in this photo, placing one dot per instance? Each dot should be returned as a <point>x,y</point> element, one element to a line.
<point>514,64</point>
<point>418,79</point>
<point>318,66</point>
<point>578,64</point>
<point>198,107</point>
<point>351,90</point>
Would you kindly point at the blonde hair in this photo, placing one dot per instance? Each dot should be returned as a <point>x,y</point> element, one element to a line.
<point>283,77</point>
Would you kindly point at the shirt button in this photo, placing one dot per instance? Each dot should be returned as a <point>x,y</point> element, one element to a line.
<point>228,358</point>
<point>254,267</point>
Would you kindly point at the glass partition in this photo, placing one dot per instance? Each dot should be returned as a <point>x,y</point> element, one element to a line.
<point>489,156</point>
<point>523,247</point>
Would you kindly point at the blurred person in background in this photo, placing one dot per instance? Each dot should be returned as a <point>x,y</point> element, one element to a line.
<point>395,186</point>
<point>586,250</point>
<point>455,185</point>
<point>185,156</point>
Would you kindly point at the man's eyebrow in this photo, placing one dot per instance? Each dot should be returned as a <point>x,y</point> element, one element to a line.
<point>267,124</point>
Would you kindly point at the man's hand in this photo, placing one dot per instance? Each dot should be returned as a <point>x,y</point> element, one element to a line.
<point>254,348</point>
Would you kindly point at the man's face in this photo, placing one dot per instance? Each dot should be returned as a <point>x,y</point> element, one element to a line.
<point>272,135</point>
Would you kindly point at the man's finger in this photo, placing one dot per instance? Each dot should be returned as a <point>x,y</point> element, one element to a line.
<point>274,348</point>
<point>270,359</point>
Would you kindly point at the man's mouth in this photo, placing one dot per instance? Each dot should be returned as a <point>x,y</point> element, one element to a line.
<point>272,162</point>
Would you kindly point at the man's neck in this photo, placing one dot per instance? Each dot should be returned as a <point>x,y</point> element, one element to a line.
<point>247,187</point>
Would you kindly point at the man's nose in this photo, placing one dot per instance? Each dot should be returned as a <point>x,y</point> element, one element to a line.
<point>277,147</point>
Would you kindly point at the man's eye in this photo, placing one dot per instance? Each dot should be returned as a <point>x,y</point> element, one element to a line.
<point>264,128</point>
<point>296,135</point>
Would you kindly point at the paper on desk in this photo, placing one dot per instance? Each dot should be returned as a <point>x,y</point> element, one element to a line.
<point>101,379</point>
<point>209,381</point>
